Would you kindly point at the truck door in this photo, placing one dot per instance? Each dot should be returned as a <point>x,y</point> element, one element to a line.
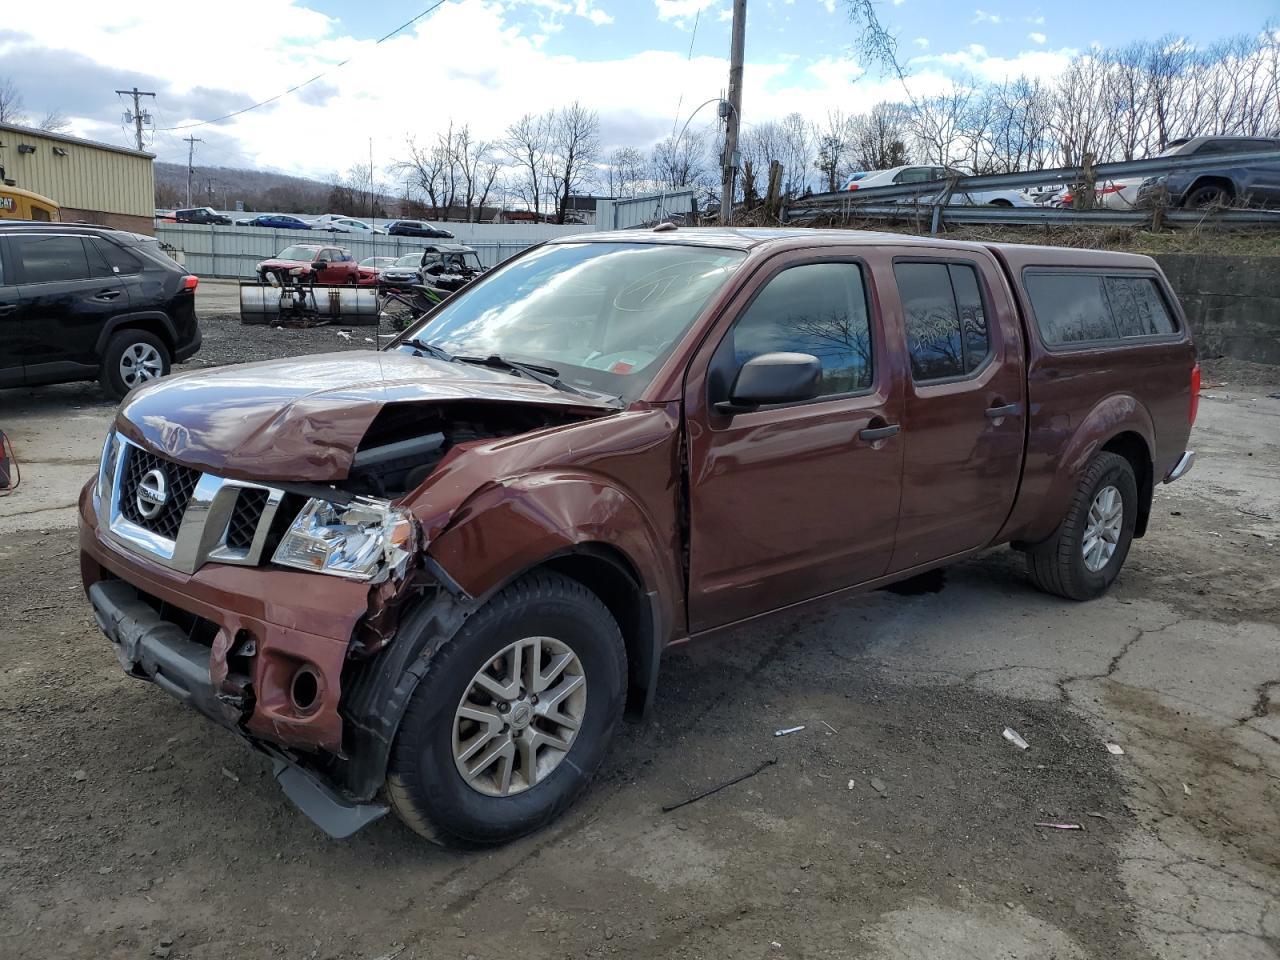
<point>964,414</point>
<point>789,502</point>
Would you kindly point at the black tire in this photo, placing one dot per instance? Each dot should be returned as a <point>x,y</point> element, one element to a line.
<point>109,373</point>
<point>424,785</point>
<point>1208,195</point>
<point>1057,565</point>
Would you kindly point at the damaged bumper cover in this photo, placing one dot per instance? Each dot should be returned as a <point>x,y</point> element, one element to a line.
<point>255,633</point>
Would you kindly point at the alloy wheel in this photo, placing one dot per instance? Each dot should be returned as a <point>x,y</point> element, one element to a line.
<point>139,363</point>
<point>1102,528</point>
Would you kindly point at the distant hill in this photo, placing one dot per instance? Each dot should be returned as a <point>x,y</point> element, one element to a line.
<point>259,190</point>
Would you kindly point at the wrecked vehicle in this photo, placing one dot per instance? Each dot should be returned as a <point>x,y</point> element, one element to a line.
<point>434,577</point>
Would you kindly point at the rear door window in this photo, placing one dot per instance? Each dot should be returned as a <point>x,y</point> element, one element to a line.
<point>816,308</point>
<point>50,259</point>
<point>945,318</point>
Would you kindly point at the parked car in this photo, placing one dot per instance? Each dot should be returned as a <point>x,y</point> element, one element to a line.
<point>201,215</point>
<point>452,563</point>
<point>276,221</point>
<point>377,263</point>
<point>334,223</point>
<point>447,266</point>
<point>1254,184</point>
<point>85,303</point>
<point>925,174</point>
<point>332,266</point>
<point>417,228</point>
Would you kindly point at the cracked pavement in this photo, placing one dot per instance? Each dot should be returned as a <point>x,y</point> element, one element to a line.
<point>897,824</point>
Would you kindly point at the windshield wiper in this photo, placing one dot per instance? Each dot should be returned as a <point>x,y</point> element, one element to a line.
<point>438,352</point>
<point>543,374</point>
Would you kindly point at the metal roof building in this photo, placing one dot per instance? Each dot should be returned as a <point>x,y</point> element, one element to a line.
<point>90,181</point>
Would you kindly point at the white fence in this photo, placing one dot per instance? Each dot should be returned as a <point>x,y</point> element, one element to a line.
<point>645,211</point>
<point>217,251</point>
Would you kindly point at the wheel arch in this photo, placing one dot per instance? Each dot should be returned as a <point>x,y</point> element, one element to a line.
<point>152,321</point>
<point>1134,448</point>
<point>1210,180</point>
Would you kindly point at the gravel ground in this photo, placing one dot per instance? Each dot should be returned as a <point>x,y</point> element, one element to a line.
<point>897,824</point>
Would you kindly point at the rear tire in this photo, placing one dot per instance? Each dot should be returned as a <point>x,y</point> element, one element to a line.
<point>1084,555</point>
<point>1209,195</point>
<point>132,358</point>
<point>448,794</point>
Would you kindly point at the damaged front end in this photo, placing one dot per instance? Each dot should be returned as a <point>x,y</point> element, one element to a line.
<point>273,606</point>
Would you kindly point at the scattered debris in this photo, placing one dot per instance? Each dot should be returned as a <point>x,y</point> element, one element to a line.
<point>1257,516</point>
<point>79,776</point>
<point>1012,736</point>
<point>229,775</point>
<point>1099,816</point>
<point>345,335</point>
<point>728,783</point>
<point>391,954</point>
<point>828,726</point>
<point>852,784</point>
<point>787,730</point>
<point>877,785</point>
<point>1116,749</point>
<point>1274,396</point>
<point>1059,826</point>
<point>1186,790</point>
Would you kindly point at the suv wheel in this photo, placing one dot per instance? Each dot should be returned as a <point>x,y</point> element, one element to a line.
<point>132,358</point>
<point>1085,554</point>
<point>1208,195</point>
<point>512,715</point>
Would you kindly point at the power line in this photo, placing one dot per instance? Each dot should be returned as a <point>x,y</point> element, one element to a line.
<point>138,117</point>
<point>318,76</point>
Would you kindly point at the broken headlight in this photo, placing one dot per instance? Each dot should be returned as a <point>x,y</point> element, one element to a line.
<point>364,540</point>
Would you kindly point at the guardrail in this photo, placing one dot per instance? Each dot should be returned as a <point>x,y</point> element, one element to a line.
<point>988,214</point>
<point>1032,178</point>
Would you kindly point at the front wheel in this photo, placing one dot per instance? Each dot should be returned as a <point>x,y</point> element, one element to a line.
<point>132,358</point>
<point>1085,554</point>
<point>512,715</point>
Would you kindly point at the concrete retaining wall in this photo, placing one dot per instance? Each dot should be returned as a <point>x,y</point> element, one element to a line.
<point>1232,303</point>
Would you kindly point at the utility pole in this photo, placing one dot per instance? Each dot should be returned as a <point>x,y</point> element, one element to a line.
<point>138,117</point>
<point>737,44</point>
<point>191,154</point>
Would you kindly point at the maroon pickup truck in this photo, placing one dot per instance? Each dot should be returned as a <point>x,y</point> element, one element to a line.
<point>434,577</point>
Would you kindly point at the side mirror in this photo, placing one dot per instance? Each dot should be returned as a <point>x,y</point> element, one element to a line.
<point>773,378</point>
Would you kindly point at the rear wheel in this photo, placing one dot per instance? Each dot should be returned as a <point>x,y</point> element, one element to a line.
<point>1085,554</point>
<point>512,716</point>
<point>132,358</point>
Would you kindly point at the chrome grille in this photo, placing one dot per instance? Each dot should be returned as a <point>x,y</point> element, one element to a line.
<point>203,518</point>
<point>181,483</point>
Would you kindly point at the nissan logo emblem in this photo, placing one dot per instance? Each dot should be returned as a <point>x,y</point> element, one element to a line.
<point>152,493</point>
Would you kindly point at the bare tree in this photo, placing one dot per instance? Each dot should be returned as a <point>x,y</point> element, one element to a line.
<point>834,145</point>
<point>574,146</point>
<point>477,170</point>
<point>798,150</point>
<point>625,172</point>
<point>12,109</point>
<point>55,121</point>
<point>878,140</point>
<point>676,165</point>
<point>526,145</point>
<point>431,171</point>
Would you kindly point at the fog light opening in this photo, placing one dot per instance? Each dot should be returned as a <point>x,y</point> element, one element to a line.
<point>305,689</point>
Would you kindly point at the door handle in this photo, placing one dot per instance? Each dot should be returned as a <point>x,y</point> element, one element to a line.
<point>872,434</point>
<point>106,294</point>
<point>1008,410</point>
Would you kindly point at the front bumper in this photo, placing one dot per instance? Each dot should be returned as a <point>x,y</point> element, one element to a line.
<point>152,648</point>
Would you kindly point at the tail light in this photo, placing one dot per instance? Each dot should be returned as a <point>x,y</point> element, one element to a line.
<point>1195,393</point>
<point>189,282</point>
<point>853,186</point>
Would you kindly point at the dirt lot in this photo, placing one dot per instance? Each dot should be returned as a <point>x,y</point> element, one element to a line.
<point>897,824</point>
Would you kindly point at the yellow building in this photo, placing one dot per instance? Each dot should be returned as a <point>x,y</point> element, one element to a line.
<point>90,181</point>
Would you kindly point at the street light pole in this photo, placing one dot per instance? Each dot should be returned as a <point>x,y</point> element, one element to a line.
<point>737,44</point>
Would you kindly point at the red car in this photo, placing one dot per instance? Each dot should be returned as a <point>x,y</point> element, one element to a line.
<point>333,266</point>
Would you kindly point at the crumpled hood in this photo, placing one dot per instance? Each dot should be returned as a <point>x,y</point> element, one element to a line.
<point>301,419</point>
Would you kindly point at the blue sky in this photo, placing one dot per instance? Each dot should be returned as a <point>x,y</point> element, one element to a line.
<point>485,62</point>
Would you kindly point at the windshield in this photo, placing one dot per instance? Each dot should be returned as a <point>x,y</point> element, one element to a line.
<point>409,260</point>
<point>604,315</point>
<point>297,252</point>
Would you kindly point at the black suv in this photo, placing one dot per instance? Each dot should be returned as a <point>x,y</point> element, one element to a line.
<point>416,228</point>
<point>1255,184</point>
<point>201,215</point>
<point>79,303</point>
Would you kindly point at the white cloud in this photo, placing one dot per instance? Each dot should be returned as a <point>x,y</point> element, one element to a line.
<point>981,16</point>
<point>898,3</point>
<point>1036,21</point>
<point>830,5</point>
<point>680,11</point>
<point>921,42</point>
<point>975,61</point>
<point>1036,37</point>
